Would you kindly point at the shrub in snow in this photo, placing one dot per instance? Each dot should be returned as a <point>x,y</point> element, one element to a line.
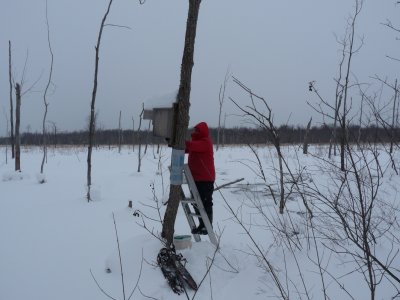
<point>41,178</point>
<point>14,176</point>
<point>95,193</point>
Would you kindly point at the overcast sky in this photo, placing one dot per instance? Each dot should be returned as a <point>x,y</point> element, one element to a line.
<point>274,46</point>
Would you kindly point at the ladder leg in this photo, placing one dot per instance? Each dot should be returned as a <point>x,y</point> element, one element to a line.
<point>190,220</point>
<point>200,206</point>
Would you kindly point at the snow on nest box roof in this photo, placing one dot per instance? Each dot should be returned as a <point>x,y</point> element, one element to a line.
<point>161,101</point>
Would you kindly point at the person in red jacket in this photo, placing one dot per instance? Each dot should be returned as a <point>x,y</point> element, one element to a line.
<point>201,164</point>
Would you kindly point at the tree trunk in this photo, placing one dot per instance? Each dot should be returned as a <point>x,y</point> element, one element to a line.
<point>305,144</point>
<point>17,124</point>
<point>147,138</point>
<point>140,140</point>
<point>92,106</point>
<point>393,118</point>
<point>46,104</point>
<point>343,140</point>
<point>183,99</point>
<point>221,99</point>
<point>282,193</point>
<point>12,139</point>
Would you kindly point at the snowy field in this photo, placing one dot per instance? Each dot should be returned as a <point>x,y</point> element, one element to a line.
<point>53,240</point>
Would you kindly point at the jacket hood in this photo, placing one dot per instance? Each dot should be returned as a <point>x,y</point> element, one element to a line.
<point>202,128</point>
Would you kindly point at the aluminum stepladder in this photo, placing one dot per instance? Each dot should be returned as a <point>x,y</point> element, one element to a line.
<point>196,200</point>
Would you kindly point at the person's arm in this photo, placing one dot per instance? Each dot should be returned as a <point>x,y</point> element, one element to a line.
<point>197,146</point>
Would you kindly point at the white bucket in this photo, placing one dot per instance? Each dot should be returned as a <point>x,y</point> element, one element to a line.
<point>182,242</point>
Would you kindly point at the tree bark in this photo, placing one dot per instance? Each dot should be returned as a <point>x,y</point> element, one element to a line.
<point>182,119</point>
<point>17,124</point>
<point>12,139</point>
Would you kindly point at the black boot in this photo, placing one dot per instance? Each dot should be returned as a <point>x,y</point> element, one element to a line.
<point>201,229</point>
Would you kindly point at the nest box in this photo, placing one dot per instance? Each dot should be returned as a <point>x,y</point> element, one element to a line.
<point>164,121</point>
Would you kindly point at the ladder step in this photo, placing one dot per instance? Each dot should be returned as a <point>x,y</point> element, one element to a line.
<point>188,200</point>
<point>194,215</point>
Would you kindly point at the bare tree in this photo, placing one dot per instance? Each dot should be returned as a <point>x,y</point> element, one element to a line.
<point>54,133</point>
<point>394,117</point>
<point>18,95</point>
<point>354,218</point>
<point>92,107</point>
<point>338,101</point>
<point>17,125</point>
<point>382,115</point>
<point>12,140</point>
<point>305,142</point>
<point>265,121</point>
<point>390,126</point>
<point>147,138</point>
<point>139,139</point>
<point>357,216</point>
<point>183,100</point>
<point>396,29</point>
<point>351,52</point>
<point>46,104</point>
<point>221,98</point>
<point>343,85</point>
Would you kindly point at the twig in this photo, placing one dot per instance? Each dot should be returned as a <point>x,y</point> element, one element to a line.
<point>140,275</point>
<point>208,267</point>
<point>226,184</point>
<point>149,297</point>
<point>120,259</point>
<point>100,288</point>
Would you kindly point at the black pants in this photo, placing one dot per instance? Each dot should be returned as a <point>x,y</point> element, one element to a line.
<point>206,189</point>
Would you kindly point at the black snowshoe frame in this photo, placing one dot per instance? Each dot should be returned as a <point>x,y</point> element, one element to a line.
<point>174,270</point>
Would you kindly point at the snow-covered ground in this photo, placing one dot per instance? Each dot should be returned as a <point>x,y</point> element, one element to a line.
<point>52,240</point>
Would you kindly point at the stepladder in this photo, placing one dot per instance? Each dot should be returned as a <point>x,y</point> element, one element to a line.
<point>194,200</point>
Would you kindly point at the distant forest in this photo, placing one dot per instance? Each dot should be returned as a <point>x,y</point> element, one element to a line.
<point>228,136</point>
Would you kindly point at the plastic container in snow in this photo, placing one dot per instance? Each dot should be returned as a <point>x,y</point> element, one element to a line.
<point>182,242</point>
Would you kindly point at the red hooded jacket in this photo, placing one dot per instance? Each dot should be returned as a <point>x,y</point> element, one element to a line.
<point>201,154</point>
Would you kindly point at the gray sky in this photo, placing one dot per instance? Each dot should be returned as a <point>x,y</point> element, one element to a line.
<point>276,47</point>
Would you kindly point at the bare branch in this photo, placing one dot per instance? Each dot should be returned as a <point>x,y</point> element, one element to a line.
<point>120,258</point>
<point>120,26</point>
<point>100,288</point>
